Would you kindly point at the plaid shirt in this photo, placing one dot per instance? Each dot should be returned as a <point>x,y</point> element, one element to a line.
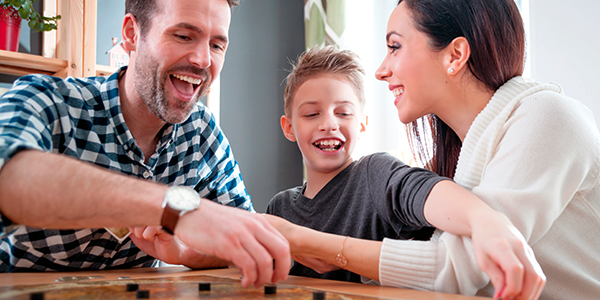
<point>82,118</point>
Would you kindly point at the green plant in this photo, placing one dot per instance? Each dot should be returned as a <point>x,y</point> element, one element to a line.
<point>33,18</point>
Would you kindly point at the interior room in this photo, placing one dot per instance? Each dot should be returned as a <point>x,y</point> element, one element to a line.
<point>266,35</point>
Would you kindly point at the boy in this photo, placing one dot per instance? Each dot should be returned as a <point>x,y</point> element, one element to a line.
<point>324,115</point>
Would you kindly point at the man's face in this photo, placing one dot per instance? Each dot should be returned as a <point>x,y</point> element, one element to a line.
<point>180,55</point>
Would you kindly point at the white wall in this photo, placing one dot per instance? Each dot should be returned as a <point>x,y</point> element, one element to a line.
<point>565,47</point>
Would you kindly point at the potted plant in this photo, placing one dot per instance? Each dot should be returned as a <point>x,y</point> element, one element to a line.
<point>11,14</point>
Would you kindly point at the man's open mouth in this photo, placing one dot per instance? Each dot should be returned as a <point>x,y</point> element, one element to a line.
<point>185,84</point>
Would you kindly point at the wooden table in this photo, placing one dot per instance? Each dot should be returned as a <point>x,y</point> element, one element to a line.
<point>164,283</point>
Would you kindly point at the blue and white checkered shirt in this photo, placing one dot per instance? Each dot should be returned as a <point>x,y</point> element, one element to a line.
<point>82,118</point>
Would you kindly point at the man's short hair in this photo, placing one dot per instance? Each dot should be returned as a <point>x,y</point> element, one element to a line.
<point>325,60</point>
<point>143,10</point>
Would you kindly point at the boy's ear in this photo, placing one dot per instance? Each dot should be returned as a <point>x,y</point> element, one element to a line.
<point>130,31</point>
<point>458,52</point>
<point>286,127</point>
<point>364,123</point>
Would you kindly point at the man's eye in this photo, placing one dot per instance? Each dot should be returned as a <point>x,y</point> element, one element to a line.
<point>218,47</point>
<point>182,37</point>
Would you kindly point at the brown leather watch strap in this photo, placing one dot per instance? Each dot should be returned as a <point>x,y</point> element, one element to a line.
<point>169,219</point>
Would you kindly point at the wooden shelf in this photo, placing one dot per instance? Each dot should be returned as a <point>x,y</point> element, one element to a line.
<point>68,51</point>
<point>19,64</point>
<point>102,70</point>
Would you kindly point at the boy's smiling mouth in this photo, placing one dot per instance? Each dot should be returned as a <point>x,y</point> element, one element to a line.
<point>328,144</point>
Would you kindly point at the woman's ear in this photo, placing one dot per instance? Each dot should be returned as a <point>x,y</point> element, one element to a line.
<point>286,127</point>
<point>458,53</point>
<point>130,31</point>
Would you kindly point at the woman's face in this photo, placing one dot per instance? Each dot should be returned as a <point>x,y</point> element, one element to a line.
<point>416,74</point>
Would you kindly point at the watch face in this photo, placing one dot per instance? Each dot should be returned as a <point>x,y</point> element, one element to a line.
<point>182,198</point>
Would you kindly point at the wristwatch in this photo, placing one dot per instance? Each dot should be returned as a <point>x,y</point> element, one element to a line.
<point>178,201</point>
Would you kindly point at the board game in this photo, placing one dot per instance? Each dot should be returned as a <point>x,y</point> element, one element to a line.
<point>187,287</point>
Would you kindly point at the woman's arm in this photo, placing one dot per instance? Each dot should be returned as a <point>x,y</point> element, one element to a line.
<point>500,249</point>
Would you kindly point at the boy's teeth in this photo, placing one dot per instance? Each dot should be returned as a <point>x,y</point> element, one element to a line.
<point>397,92</point>
<point>188,79</point>
<point>329,143</point>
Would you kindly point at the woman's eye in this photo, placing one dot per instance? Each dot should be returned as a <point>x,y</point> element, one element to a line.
<point>393,48</point>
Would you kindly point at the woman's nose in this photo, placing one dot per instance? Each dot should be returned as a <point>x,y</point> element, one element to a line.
<point>383,72</point>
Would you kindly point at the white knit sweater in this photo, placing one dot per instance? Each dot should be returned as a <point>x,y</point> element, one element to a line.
<point>533,154</point>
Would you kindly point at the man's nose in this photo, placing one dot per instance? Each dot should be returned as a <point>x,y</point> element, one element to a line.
<point>200,57</point>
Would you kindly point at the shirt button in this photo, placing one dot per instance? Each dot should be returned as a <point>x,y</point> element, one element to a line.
<point>147,174</point>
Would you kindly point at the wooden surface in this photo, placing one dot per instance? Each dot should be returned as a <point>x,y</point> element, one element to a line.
<point>180,282</point>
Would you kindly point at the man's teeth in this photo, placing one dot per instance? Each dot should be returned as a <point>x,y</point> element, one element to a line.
<point>397,92</point>
<point>188,79</point>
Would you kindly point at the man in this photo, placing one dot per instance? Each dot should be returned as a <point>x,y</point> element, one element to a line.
<point>58,137</point>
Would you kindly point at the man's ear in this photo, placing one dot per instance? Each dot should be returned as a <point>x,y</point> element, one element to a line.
<point>130,31</point>
<point>457,55</point>
<point>286,127</point>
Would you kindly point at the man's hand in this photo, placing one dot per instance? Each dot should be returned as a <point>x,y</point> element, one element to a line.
<point>244,238</point>
<point>168,248</point>
<point>159,244</point>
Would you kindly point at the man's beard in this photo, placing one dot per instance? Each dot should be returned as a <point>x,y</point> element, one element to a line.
<point>150,85</point>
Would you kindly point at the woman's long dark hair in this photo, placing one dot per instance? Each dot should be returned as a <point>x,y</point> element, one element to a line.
<point>494,30</point>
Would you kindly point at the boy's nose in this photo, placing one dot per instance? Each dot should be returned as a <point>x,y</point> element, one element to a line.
<point>329,124</point>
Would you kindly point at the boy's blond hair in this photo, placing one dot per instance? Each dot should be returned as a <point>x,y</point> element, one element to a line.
<point>326,60</point>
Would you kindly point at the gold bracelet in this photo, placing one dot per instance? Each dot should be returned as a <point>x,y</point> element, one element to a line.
<point>341,260</point>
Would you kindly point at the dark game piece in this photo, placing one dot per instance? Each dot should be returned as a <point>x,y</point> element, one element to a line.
<point>270,289</point>
<point>318,295</point>
<point>143,294</point>
<point>204,286</point>
<point>132,287</point>
<point>36,296</point>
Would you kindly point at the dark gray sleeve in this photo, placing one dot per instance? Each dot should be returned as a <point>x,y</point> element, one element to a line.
<point>399,190</point>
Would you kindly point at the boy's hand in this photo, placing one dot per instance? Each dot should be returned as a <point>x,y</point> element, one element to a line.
<point>503,254</point>
<point>319,265</point>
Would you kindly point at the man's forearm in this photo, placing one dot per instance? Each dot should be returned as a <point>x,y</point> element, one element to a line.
<point>47,190</point>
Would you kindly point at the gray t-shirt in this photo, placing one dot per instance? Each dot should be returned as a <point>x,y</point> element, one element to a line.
<point>375,197</point>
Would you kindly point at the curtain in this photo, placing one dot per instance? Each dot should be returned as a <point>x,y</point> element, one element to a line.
<point>324,22</point>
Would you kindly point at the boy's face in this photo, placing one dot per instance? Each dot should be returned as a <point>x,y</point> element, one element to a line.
<point>326,121</point>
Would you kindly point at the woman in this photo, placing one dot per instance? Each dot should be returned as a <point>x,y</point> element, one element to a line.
<point>521,146</point>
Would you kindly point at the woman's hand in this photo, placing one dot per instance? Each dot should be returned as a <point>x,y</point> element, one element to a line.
<point>503,254</point>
